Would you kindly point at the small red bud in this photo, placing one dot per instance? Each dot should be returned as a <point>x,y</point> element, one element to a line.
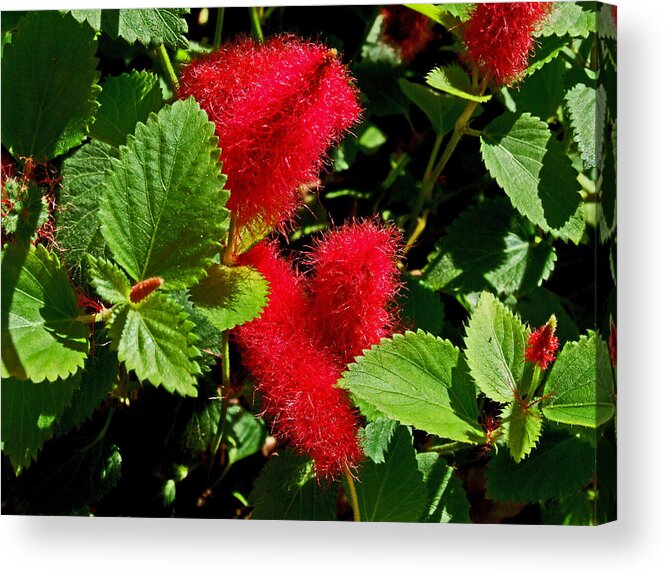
<point>144,288</point>
<point>542,344</point>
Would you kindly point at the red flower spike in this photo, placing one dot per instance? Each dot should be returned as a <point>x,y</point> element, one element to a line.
<point>498,37</point>
<point>295,374</point>
<point>354,285</point>
<point>542,344</point>
<point>144,288</point>
<point>406,30</point>
<point>277,107</point>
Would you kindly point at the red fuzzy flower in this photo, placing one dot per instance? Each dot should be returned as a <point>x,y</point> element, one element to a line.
<point>498,37</point>
<point>542,344</point>
<point>295,374</point>
<point>354,285</point>
<point>277,107</point>
<point>406,30</point>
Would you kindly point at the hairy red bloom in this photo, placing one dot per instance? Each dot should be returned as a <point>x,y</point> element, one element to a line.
<point>406,30</point>
<point>354,285</point>
<point>277,107</point>
<point>542,344</point>
<point>498,37</point>
<point>141,290</point>
<point>295,374</point>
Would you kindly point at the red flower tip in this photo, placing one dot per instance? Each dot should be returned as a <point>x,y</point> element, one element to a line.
<point>498,37</point>
<point>295,374</point>
<point>406,30</point>
<point>141,290</point>
<point>612,343</point>
<point>277,107</point>
<point>542,344</point>
<point>354,285</point>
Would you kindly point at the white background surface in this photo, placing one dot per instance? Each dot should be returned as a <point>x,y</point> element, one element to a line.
<point>634,545</point>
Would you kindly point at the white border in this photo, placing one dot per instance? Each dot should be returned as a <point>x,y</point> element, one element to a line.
<point>634,544</point>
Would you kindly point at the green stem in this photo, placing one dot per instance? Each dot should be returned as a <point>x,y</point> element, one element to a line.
<point>448,447</point>
<point>224,393</point>
<point>168,68</point>
<point>352,496</point>
<point>217,39</point>
<point>536,378</point>
<point>95,318</point>
<point>432,174</point>
<point>256,24</point>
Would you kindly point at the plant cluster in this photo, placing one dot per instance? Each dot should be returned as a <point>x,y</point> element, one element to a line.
<point>310,263</point>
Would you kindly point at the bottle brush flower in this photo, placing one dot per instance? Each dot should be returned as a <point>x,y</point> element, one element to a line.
<point>542,344</point>
<point>499,37</point>
<point>277,107</point>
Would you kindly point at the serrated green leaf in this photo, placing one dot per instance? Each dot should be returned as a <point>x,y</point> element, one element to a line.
<point>79,227</point>
<point>202,427</point>
<point>442,109</point>
<point>419,380</point>
<point>124,101</point>
<point>49,85</point>
<point>28,212</point>
<point>530,165</point>
<point>542,93</point>
<point>150,27</point>
<point>92,17</point>
<point>561,465</point>
<point>521,428</point>
<point>244,434</point>
<point>230,296</point>
<point>421,307</point>
<point>393,490</point>
<point>495,351</point>
<point>30,412</point>
<point>445,14</point>
<point>568,18</point>
<point>41,337</point>
<point>162,208</point>
<point>153,338</point>
<point>587,110</point>
<point>454,80</point>
<point>97,380</point>
<point>579,388</point>
<point>489,247</point>
<point>287,489</point>
<point>209,338</point>
<point>108,280</point>
<point>546,50</point>
<point>376,437</point>
<point>447,501</point>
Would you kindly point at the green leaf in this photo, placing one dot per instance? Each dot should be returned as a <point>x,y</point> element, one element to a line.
<point>244,434</point>
<point>92,17</point>
<point>530,165</point>
<point>543,92</point>
<point>30,412</point>
<point>208,336</point>
<point>378,81</point>
<point>490,247</point>
<point>41,337</point>
<point>562,465</point>
<point>79,226</point>
<point>445,14</point>
<point>579,389</point>
<point>393,490</point>
<point>568,18</point>
<point>202,427</point>
<point>150,27</point>
<point>587,109</point>
<point>163,204</point>
<point>536,307</point>
<point>442,109</point>
<point>48,85</point>
<point>287,489</point>
<point>447,501</point>
<point>124,101</point>
<point>421,307</point>
<point>230,296</point>
<point>495,343</point>
<point>419,380</point>
<point>454,80</point>
<point>370,139</point>
<point>521,428</point>
<point>574,510</point>
<point>154,339</point>
<point>109,281</point>
<point>97,380</point>
<point>376,437</point>
<point>546,50</point>
<point>28,213</point>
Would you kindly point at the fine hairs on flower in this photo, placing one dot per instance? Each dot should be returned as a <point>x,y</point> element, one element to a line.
<point>498,38</point>
<point>296,351</point>
<point>277,107</point>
